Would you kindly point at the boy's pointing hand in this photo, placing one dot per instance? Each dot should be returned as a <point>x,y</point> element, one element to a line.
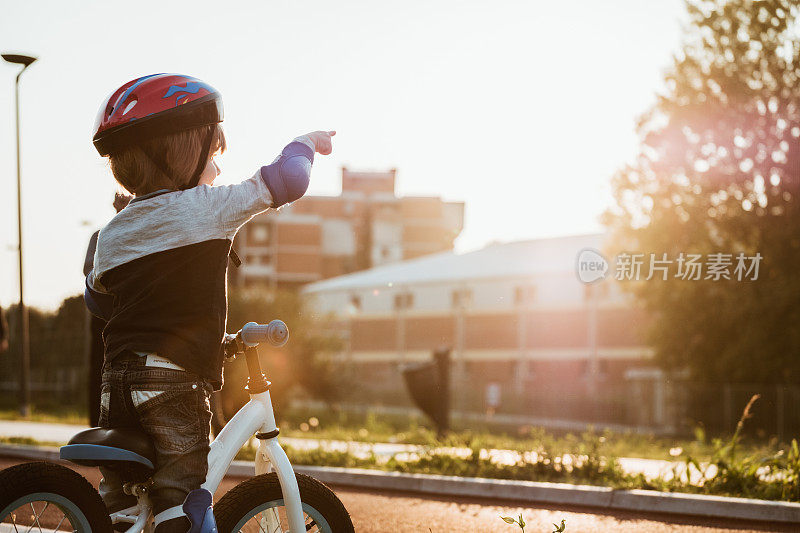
<point>322,141</point>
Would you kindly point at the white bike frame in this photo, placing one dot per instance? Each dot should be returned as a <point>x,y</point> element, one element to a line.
<point>256,416</point>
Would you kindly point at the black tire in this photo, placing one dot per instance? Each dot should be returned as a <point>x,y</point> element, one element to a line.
<point>250,497</point>
<point>48,482</point>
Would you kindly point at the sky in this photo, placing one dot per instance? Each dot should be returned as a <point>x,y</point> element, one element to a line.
<point>522,110</point>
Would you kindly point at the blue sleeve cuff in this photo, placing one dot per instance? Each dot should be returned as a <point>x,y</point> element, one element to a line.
<point>287,178</point>
<point>99,304</point>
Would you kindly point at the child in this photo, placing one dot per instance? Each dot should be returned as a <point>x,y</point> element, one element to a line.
<point>160,269</point>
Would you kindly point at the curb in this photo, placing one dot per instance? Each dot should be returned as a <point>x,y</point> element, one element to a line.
<point>41,453</point>
<point>526,491</point>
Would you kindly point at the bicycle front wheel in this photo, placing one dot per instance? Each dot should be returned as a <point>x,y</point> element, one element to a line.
<point>49,497</point>
<point>257,505</point>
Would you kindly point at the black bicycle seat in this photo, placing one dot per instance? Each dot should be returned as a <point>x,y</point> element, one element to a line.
<point>126,449</point>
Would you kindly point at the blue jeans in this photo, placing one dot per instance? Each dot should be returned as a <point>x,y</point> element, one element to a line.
<point>172,407</point>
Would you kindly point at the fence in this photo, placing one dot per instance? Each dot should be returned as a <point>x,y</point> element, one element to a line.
<point>718,407</point>
<point>645,401</point>
<point>65,388</point>
<point>59,366</point>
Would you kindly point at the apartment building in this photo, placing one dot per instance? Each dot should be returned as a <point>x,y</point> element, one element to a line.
<point>367,225</point>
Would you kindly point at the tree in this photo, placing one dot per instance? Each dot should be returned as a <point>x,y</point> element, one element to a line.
<point>719,171</point>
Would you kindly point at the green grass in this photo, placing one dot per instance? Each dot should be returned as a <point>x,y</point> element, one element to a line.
<point>740,472</point>
<point>51,415</point>
<point>373,428</point>
<point>27,441</point>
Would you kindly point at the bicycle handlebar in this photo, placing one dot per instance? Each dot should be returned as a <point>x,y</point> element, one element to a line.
<point>275,333</point>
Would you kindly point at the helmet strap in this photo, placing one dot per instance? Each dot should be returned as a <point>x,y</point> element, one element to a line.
<point>201,163</point>
<point>159,161</point>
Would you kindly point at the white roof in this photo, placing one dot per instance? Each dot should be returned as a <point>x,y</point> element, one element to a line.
<point>497,260</point>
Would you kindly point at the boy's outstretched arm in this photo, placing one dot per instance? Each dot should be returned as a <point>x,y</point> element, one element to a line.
<point>288,176</point>
<point>284,180</point>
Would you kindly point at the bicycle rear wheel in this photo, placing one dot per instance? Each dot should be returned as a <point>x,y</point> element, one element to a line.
<point>49,497</point>
<point>257,505</point>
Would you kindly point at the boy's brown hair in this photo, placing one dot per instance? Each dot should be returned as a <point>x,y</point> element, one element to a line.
<point>179,151</point>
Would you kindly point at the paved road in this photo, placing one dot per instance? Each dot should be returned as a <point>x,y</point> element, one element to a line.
<point>63,432</point>
<point>393,512</point>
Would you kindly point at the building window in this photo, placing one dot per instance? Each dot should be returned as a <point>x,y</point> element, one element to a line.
<point>524,294</point>
<point>462,298</point>
<point>260,233</point>
<point>257,259</point>
<point>602,368</point>
<point>403,300</point>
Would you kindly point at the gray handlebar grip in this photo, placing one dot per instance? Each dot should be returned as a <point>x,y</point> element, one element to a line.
<point>275,333</point>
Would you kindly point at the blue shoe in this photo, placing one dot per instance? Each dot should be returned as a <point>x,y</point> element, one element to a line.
<point>197,507</point>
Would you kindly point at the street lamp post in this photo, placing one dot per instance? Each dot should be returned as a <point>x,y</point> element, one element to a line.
<point>24,389</point>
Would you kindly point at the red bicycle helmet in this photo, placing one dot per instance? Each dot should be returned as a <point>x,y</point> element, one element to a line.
<point>153,106</point>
